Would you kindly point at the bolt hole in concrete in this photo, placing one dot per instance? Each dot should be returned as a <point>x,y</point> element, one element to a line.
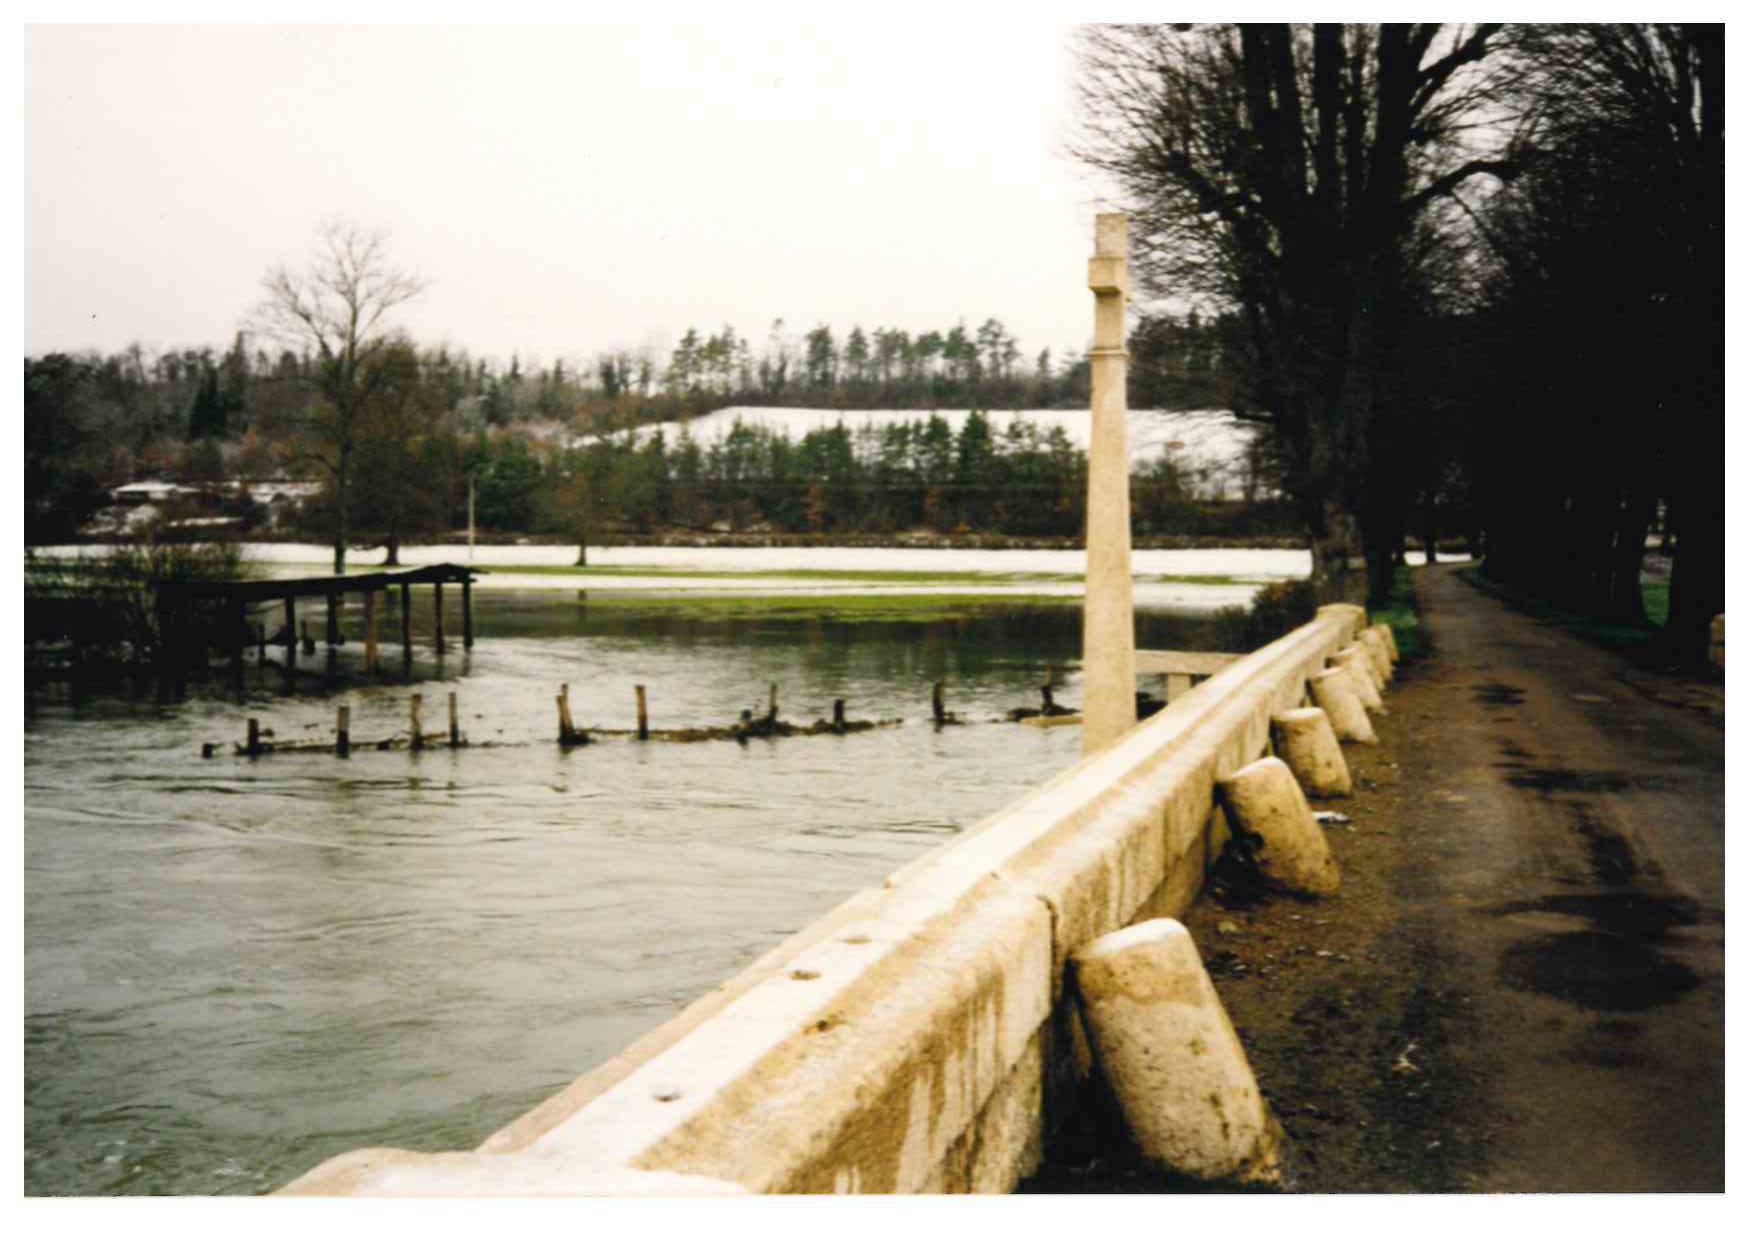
<point>667,1095</point>
<point>804,975</point>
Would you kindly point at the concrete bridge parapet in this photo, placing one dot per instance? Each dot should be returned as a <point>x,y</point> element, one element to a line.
<point>913,1039</point>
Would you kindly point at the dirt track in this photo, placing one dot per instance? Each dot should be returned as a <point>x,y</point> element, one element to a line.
<point>1520,986</point>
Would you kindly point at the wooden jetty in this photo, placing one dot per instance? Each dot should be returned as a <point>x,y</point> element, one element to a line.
<point>236,597</point>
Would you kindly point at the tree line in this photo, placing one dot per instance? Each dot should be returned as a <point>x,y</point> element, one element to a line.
<point>1481,260</point>
<point>380,428</point>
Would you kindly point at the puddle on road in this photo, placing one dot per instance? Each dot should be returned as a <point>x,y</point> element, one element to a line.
<point>1596,970</point>
<point>1611,855</point>
<point>1497,693</point>
<point>1613,966</point>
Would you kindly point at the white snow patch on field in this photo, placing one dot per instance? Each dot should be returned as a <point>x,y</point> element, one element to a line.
<point>1201,438</point>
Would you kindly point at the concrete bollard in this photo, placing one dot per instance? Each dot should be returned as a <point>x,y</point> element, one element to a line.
<point>1388,636</point>
<point>1357,653</point>
<point>1264,800</point>
<point>1165,1046</point>
<point>1305,740</point>
<point>1334,692</point>
<point>1380,656</point>
<point>1355,662</point>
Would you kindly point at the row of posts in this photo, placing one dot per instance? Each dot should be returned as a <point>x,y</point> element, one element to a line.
<point>568,733</point>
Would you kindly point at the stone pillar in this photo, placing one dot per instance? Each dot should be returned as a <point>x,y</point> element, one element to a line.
<point>1108,639</point>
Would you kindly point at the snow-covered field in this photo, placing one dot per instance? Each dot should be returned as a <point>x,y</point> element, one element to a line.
<point>1205,438</point>
<point>777,570</point>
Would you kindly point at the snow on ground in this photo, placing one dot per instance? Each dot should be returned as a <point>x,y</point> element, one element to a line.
<point>1202,438</point>
<point>1009,571</point>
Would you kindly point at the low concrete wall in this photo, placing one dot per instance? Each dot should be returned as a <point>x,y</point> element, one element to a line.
<point>912,1040</point>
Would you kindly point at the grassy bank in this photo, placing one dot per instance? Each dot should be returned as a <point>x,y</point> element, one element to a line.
<point>1401,614</point>
<point>839,608</point>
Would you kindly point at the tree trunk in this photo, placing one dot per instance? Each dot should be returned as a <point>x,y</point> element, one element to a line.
<point>1696,583</point>
<point>1335,555</point>
<point>393,559</point>
<point>342,499</point>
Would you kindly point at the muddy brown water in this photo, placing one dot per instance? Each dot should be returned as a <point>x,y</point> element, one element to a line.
<point>236,969</point>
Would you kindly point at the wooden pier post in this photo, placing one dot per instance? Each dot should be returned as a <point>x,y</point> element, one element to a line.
<point>771,715</point>
<point>290,637</point>
<point>1049,697</point>
<point>342,730</point>
<point>454,725</point>
<point>239,636</point>
<point>370,632</point>
<point>437,615</point>
<point>406,624</point>
<point>838,714</point>
<point>252,746</point>
<point>467,615</point>
<point>566,733</point>
<point>642,715</point>
<point>413,722</point>
<point>939,702</point>
<point>333,619</point>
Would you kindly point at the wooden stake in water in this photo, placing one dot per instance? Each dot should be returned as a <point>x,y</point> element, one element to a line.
<point>342,730</point>
<point>771,715</point>
<point>838,713</point>
<point>642,715</point>
<point>566,733</point>
<point>454,725</point>
<point>370,631</point>
<point>252,746</point>
<point>418,732</point>
<point>940,703</point>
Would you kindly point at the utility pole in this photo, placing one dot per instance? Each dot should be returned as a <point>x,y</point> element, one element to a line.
<point>1108,639</point>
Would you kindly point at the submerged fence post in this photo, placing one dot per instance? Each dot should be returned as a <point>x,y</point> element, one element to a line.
<point>454,725</point>
<point>413,721</point>
<point>771,715</point>
<point>1108,636</point>
<point>252,746</point>
<point>370,631</point>
<point>642,715</point>
<point>342,730</point>
<point>939,703</point>
<point>838,714</point>
<point>567,735</point>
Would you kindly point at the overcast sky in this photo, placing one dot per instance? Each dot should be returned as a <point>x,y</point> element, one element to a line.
<point>563,189</point>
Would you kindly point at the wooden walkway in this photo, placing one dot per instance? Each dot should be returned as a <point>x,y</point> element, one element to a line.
<point>235,597</point>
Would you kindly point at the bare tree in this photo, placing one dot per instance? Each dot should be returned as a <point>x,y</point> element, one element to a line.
<point>337,310</point>
<point>1290,173</point>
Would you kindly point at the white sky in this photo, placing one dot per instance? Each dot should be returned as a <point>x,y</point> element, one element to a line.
<point>562,189</point>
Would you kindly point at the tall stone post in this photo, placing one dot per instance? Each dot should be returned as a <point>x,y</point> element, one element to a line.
<point>1108,641</point>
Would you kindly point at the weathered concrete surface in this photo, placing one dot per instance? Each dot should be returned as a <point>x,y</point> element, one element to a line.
<point>1163,1043</point>
<point>902,1044</point>
<point>1336,695</point>
<point>1358,663</point>
<point>1305,741</point>
<point>1382,662</point>
<point>1108,646</point>
<point>1265,801</point>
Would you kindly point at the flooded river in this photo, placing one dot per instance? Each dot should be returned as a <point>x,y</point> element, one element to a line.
<point>235,969</point>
